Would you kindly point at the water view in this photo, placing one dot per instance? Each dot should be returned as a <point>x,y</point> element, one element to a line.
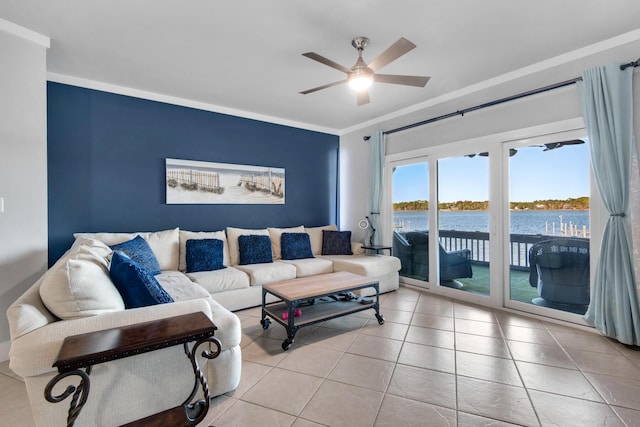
<point>545,222</point>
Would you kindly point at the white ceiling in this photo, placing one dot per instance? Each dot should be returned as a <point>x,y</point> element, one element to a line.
<point>245,55</point>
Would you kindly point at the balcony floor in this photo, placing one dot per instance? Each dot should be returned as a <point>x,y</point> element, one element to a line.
<point>520,289</point>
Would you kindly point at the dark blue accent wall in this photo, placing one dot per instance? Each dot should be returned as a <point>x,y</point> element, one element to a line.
<point>106,166</point>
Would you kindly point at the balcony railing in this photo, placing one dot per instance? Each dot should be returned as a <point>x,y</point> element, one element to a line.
<point>478,243</point>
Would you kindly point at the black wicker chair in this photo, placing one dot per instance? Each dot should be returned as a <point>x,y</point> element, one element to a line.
<point>453,265</point>
<point>559,268</point>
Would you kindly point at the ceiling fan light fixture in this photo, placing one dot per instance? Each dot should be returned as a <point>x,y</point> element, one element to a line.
<point>360,82</point>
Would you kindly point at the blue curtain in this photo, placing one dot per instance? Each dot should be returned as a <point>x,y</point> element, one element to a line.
<point>377,149</point>
<point>607,104</point>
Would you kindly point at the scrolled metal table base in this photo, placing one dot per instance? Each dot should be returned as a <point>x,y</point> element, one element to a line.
<point>80,392</point>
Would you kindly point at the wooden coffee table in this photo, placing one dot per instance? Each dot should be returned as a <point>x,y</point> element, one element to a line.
<point>305,291</point>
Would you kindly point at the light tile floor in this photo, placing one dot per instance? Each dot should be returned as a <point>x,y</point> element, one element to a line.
<point>435,362</point>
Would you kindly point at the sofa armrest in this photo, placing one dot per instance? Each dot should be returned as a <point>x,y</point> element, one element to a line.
<point>34,353</point>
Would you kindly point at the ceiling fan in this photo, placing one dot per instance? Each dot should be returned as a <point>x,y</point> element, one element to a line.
<point>362,75</point>
<point>554,145</point>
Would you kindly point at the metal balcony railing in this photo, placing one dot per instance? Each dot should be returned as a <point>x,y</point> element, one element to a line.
<point>478,243</point>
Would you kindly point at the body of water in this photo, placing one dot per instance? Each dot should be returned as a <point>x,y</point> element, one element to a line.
<point>522,222</point>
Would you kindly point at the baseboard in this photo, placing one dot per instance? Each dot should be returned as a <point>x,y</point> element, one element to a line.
<point>4,350</point>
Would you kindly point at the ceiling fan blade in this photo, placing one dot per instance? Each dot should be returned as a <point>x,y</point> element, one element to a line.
<point>326,61</point>
<point>395,79</point>
<point>554,145</point>
<point>363,97</point>
<point>315,89</point>
<point>392,53</point>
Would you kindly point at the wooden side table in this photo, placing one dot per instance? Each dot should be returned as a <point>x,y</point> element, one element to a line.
<point>80,352</point>
<point>378,248</point>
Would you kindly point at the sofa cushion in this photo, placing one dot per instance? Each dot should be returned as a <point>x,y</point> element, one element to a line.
<point>181,288</point>
<point>232,239</point>
<point>336,242</point>
<point>276,234</point>
<point>165,244</point>
<point>365,265</point>
<point>254,249</point>
<point>139,251</point>
<point>261,274</point>
<point>221,280</point>
<point>295,246</point>
<point>136,285</point>
<point>204,255</point>
<point>315,236</point>
<point>193,235</point>
<point>310,266</point>
<point>78,285</point>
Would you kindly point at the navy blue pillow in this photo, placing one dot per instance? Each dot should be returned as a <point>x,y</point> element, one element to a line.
<point>295,246</point>
<point>336,242</point>
<point>205,255</point>
<point>254,249</point>
<point>137,286</point>
<point>139,250</point>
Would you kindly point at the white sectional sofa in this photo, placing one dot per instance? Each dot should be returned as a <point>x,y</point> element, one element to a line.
<point>76,296</point>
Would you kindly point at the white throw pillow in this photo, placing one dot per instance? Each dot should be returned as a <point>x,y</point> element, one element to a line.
<point>315,235</point>
<point>276,233</point>
<point>80,286</point>
<point>232,240</point>
<point>164,244</point>
<point>198,235</point>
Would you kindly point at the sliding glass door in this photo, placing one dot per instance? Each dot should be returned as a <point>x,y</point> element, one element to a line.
<point>549,228</point>
<point>523,205</point>
<point>410,219</point>
<point>463,223</point>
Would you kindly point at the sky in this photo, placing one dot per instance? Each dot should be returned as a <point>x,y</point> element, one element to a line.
<point>534,175</point>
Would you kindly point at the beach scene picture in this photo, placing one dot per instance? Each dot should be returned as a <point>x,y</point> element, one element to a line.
<point>196,182</point>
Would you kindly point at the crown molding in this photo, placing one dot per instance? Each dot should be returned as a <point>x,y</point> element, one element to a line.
<point>24,33</point>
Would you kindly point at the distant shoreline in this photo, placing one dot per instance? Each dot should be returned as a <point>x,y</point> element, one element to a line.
<point>571,204</point>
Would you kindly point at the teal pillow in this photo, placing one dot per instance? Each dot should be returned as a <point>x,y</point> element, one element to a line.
<point>295,246</point>
<point>204,255</point>
<point>137,286</point>
<point>139,250</point>
<point>254,249</point>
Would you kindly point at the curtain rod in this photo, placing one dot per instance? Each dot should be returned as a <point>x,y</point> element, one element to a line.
<point>496,102</point>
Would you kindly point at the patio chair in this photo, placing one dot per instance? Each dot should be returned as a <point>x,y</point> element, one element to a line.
<point>559,268</point>
<point>403,250</point>
<point>453,265</point>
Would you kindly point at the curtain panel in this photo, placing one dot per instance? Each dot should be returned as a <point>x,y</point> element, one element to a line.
<point>377,149</point>
<point>607,104</point>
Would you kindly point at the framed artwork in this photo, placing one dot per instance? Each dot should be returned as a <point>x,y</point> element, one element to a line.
<point>194,182</point>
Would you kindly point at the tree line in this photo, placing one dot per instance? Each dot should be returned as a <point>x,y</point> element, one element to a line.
<point>579,203</point>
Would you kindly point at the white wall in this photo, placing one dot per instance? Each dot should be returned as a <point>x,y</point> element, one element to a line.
<point>23,166</point>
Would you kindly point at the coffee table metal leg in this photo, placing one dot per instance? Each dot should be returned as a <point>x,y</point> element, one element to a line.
<point>264,321</point>
<point>291,326</point>
<point>376,306</point>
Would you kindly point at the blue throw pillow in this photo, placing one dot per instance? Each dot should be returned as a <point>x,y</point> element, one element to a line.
<point>204,255</point>
<point>139,250</point>
<point>336,242</point>
<point>137,286</point>
<point>254,249</point>
<point>295,246</point>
